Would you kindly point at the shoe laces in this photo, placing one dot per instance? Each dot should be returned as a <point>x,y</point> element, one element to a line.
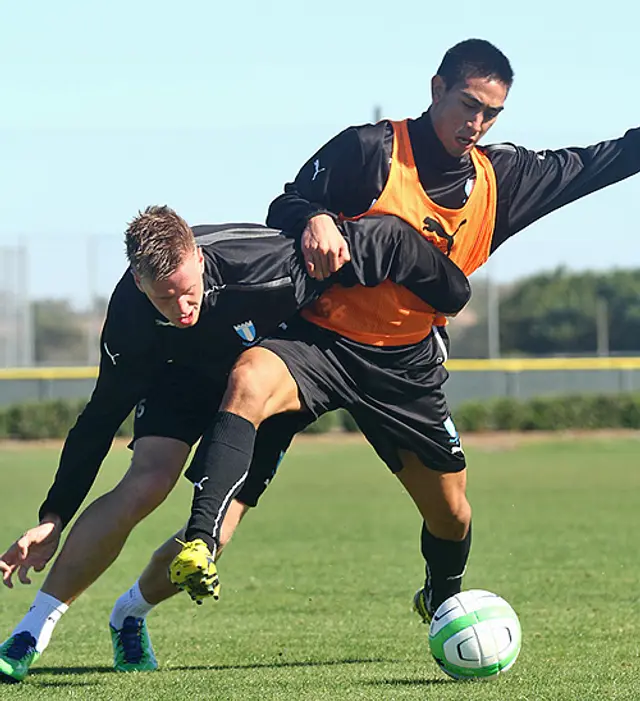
<point>130,637</point>
<point>23,643</point>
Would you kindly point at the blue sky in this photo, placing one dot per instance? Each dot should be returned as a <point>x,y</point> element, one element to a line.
<point>110,107</point>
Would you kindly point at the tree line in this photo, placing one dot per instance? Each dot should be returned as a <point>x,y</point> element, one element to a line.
<point>556,313</point>
<point>552,313</point>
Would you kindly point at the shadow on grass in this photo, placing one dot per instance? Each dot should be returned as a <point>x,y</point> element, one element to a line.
<point>62,684</point>
<point>69,670</point>
<point>213,667</point>
<point>411,682</point>
<point>277,665</point>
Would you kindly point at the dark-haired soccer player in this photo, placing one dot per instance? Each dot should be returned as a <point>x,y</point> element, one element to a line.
<point>465,198</point>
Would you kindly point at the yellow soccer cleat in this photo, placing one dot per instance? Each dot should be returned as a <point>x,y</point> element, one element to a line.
<point>194,570</point>
<point>421,607</point>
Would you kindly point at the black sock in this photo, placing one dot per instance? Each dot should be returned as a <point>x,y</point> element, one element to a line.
<point>218,471</point>
<point>446,561</point>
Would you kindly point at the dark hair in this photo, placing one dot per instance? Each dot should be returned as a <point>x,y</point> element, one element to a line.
<point>157,242</point>
<point>475,58</point>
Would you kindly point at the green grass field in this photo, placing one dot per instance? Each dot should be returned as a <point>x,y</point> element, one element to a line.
<point>317,584</point>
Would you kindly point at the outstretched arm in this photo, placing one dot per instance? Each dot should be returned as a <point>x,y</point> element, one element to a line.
<point>531,184</point>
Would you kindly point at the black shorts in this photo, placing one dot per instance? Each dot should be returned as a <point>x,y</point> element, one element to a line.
<point>393,393</point>
<point>182,404</point>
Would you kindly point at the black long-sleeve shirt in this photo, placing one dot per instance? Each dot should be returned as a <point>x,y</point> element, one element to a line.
<point>248,277</point>
<point>349,172</point>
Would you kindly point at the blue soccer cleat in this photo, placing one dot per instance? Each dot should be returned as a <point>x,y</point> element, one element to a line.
<point>17,654</point>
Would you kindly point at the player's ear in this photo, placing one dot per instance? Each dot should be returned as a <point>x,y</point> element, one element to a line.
<point>200,258</point>
<point>136,279</point>
<point>438,88</point>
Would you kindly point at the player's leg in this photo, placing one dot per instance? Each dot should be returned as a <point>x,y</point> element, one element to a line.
<point>154,585</point>
<point>259,386</point>
<point>397,400</point>
<point>181,409</point>
<point>166,425</point>
<point>395,395</point>
<point>402,411</point>
<point>132,648</point>
<point>154,582</point>
<point>93,543</point>
<point>445,539</point>
<point>219,469</point>
<point>440,497</point>
<point>420,444</point>
<point>101,531</point>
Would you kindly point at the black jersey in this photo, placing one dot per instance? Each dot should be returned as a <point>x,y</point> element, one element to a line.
<point>250,285</point>
<point>348,174</point>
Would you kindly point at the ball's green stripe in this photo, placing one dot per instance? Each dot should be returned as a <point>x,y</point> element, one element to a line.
<point>510,659</point>
<point>486,614</point>
<point>479,672</point>
<point>470,673</point>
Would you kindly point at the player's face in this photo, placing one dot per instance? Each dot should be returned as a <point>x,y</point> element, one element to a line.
<point>179,297</point>
<point>464,113</point>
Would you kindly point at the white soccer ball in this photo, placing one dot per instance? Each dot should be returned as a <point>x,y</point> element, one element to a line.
<point>475,635</point>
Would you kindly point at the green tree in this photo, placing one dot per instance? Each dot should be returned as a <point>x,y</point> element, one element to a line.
<point>59,334</point>
<point>556,313</point>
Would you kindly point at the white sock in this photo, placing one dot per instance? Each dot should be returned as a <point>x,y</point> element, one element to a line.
<point>44,614</point>
<point>131,603</point>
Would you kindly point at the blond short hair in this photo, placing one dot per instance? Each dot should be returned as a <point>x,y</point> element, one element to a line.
<point>157,241</point>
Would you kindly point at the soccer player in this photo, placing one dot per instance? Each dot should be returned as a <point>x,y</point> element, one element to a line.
<point>192,301</point>
<point>387,370</point>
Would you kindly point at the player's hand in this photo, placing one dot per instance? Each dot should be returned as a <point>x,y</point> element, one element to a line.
<point>34,549</point>
<point>324,248</point>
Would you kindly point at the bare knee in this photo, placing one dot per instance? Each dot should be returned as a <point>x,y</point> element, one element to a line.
<point>440,497</point>
<point>154,470</point>
<point>141,493</point>
<point>248,392</point>
<point>260,386</point>
<point>163,556</point>
<point>450,523</point>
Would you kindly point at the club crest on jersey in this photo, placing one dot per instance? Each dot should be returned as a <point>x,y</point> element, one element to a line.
<point>246,330</point>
